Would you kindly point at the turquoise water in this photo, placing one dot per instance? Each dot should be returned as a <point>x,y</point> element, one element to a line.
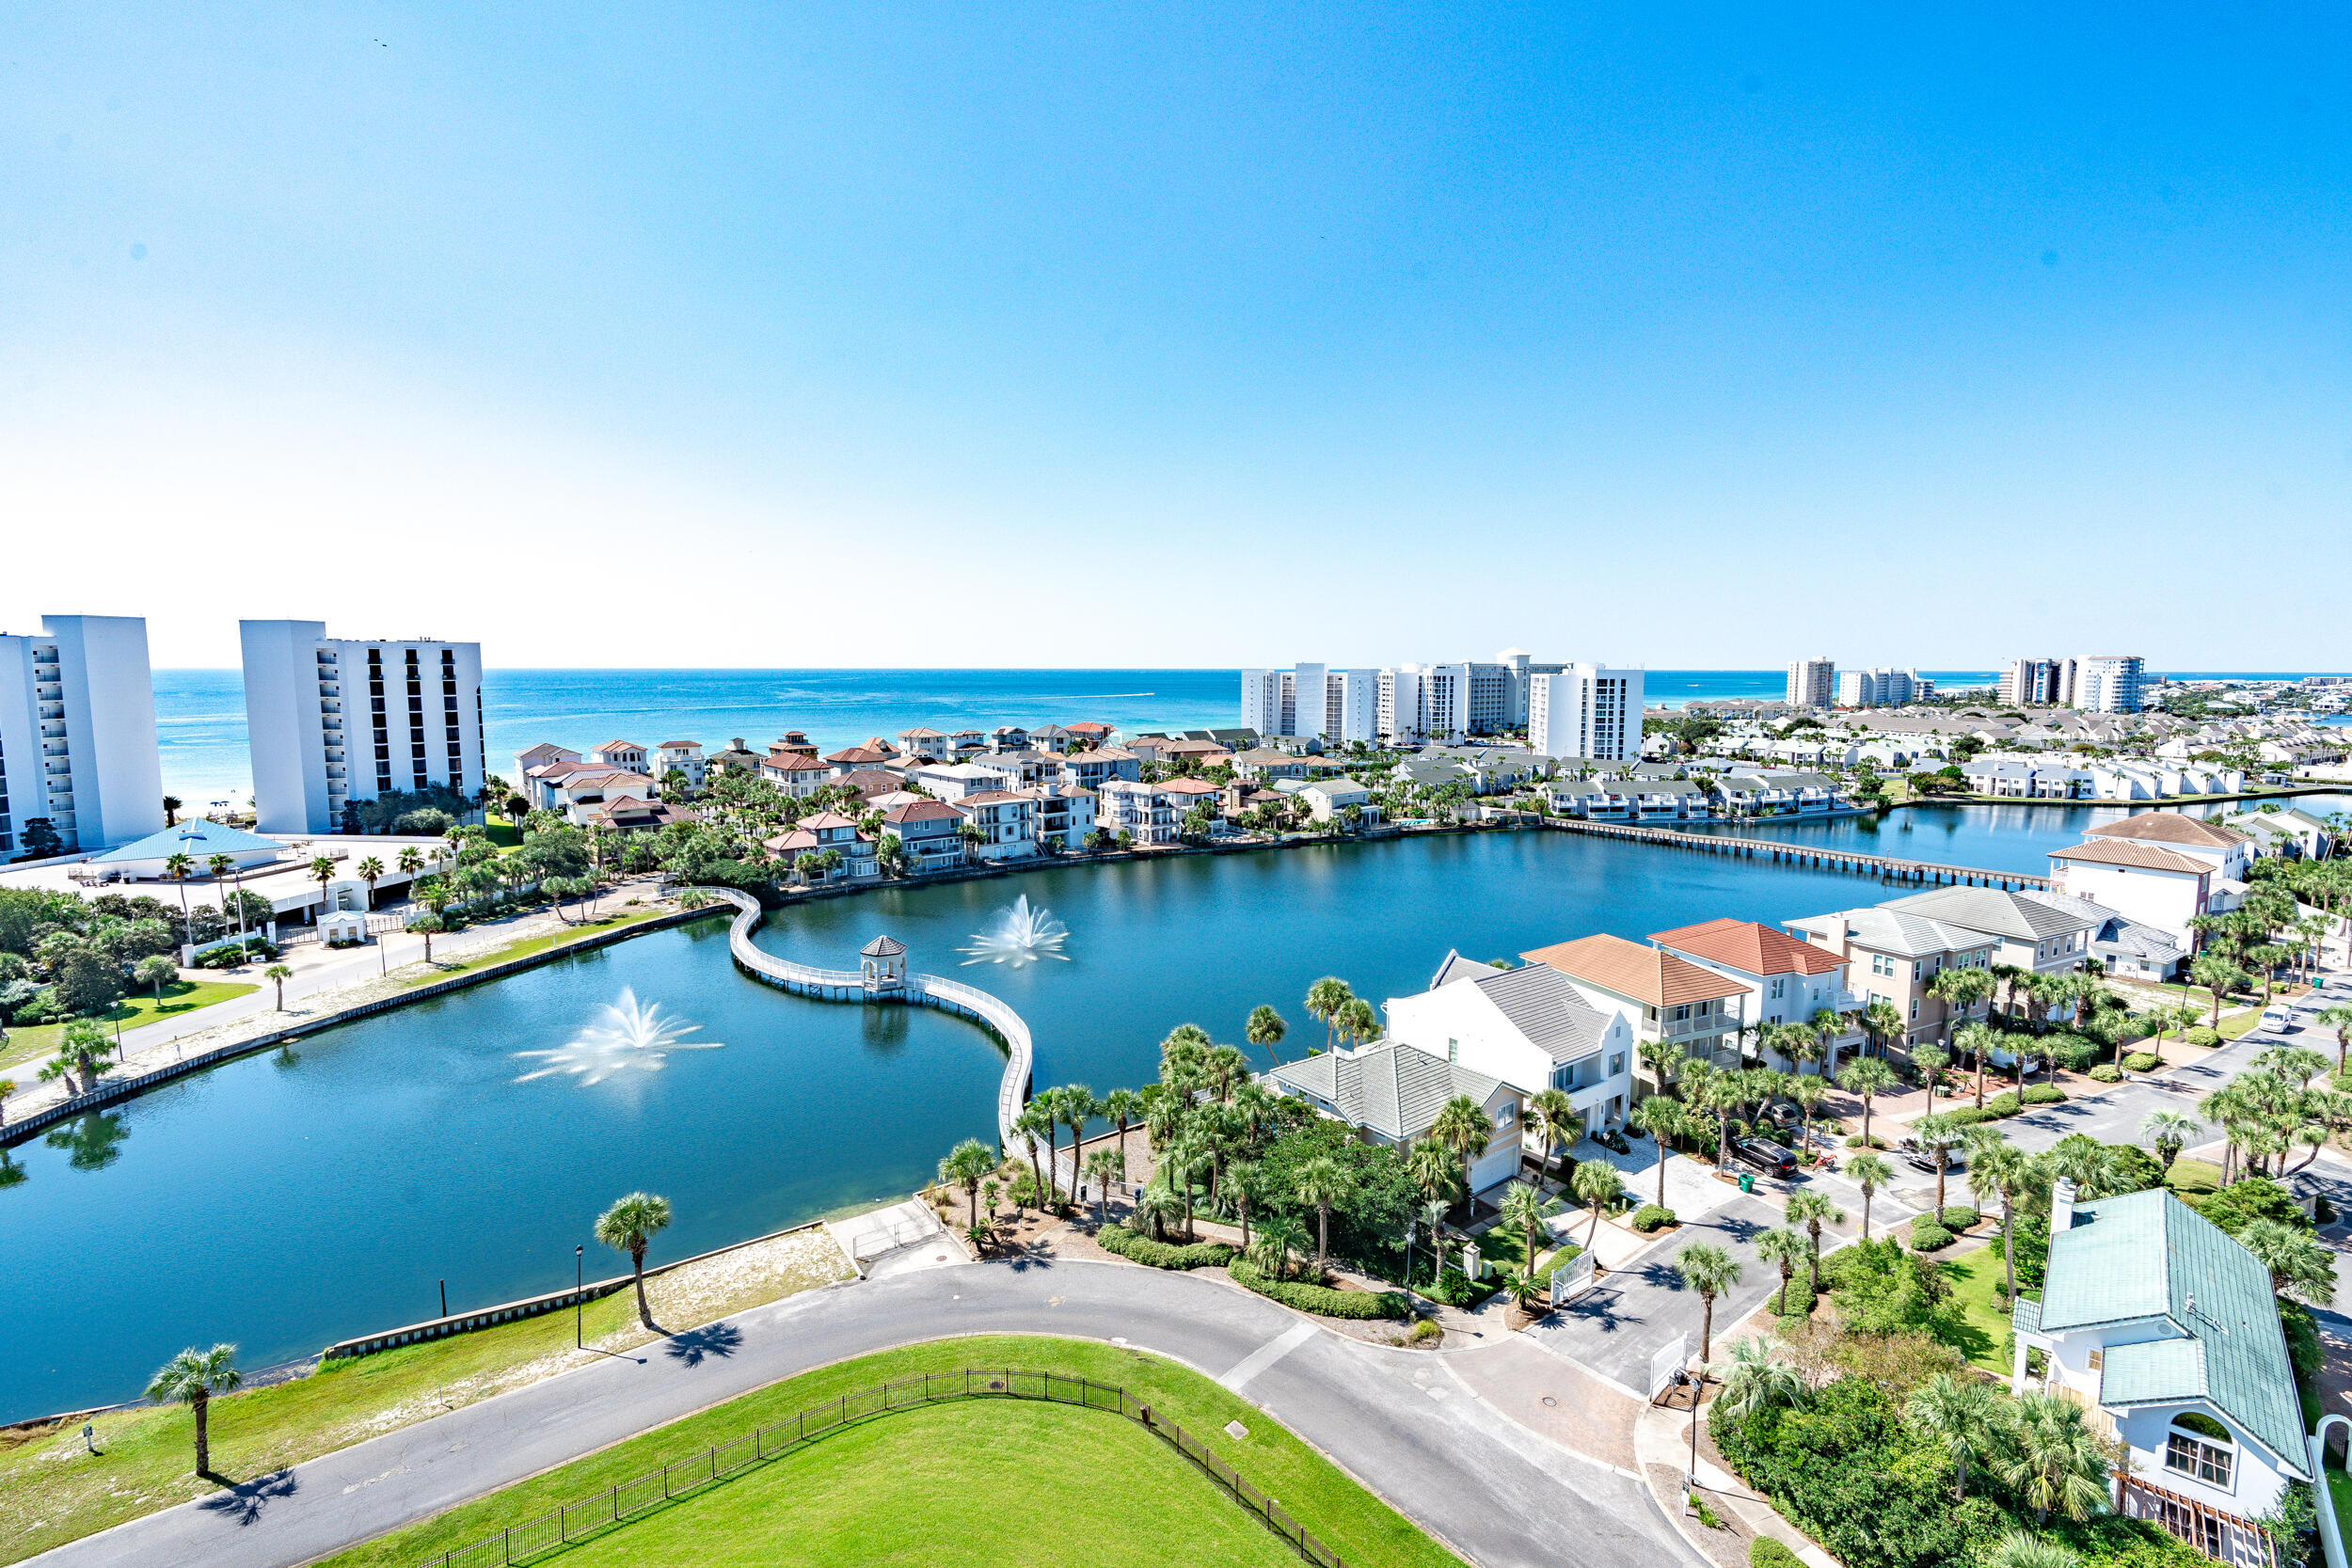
<point>290,1200</point>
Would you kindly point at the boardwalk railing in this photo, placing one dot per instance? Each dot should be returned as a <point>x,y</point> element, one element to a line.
<point>594,1514</point>
<point>1799,853</point>
<point>921,990</point>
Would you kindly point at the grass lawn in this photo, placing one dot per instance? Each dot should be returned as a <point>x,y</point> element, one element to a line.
<point>141,1006</point>
<point>2340,1492</point>
<point>2193,1175</point>
<point>503,834</point>
<point>927,1486</point>
<point>51,1491</point>
<point>1982,1335</point>
<point>524,946</point>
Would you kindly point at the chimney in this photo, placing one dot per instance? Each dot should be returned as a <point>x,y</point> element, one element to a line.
<point>2061,1206</point>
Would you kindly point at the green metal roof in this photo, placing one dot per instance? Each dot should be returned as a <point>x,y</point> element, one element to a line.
<point>2149,1258</point>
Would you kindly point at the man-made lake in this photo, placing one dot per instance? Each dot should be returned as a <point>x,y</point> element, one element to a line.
<point>290,1200</point>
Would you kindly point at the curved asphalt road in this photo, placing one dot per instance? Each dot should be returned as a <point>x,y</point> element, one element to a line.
<point>1484,1485</point>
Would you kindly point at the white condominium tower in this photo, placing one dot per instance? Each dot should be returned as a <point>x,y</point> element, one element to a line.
<point>2109,682</point>
<point>1812,682</point>
<point>77,735</point>
<point>336,721</point>
<point>1336,705</point>
<point>1585,710</point>
<point>1880,687</point>
<point>2039,682</point>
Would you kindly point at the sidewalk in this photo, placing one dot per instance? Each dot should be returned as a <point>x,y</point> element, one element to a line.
<point>1661,1439</point>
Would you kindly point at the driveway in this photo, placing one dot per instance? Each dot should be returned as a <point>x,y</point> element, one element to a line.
<point>1473,1478</point>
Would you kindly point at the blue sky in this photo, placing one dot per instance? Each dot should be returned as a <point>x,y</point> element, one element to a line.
<point>1692,336</point>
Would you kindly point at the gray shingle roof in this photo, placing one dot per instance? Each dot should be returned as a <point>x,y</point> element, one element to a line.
<point>1888,931</point>
<point>1537,1000</point>
<point>1987,908</point>
<point>1394,1091</point>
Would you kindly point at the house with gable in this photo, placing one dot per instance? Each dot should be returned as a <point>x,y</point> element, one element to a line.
<point>1528,1026</point>
<point>1391,1093</point>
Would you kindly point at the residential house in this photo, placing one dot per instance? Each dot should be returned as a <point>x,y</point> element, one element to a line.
<point>924,741</point>
<point>2289,832</point>
<point>1007,820</point>
<point>1063,816</point>
<point>527,763</point>
<point>953,780</point>
<point>870,782</point>
<point>1087,732</point>
<point>2157,886</point>
<point>1607,798</point>
<point>1785,980</point>
<point>1153,813</point>
<point>2163,1328</point>
<point>582,786</point>
<point>621,814</point>
<point>1330,798</point>
<point>1391,1093</point>
<point>1008,738</point>
<point>1092,770</point>
<point>795,743</point>
<point>964,742</point>
<point>679,757</point>
<point>1894,957</point>
<point>1662,996</point>
<point>795,773</point>
<point>1264,764</point>
<point>735,759</point>
<point>1529,1026</point>
<point>2224,849</point>
<point>1051,738</point>
<point>870,757</point>
<point>625,754</point>
<point>2122,946</point>
<point>929,833</point>
<point>826,830</point>
<point>1021,769</point>
<point>1666,800</point>
<point>2033,934</point>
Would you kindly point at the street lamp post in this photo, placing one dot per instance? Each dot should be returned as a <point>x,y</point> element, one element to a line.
<point>580,1286</point>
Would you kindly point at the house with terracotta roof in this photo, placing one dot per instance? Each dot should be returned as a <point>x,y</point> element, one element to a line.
<point>1894,957</point>
<point>2226,850</point>
<point>528,761</point>
<point>582,786</point>
<point>1529,1027</point>
<point>852,759</point>
<point>929,832</point>
<point>1663,997</point>
<point>1006,822</point>
<point>795,743</point>
<point>1787,981</point>
<point>625,754</point>
<point>1153,813</point>
<point>2155,885</point>
<point>631,814</point>
<point>870,782</point>
<point>679,757</point>
<point>924,741</point>
<point>819,831</point>
<point>1091,733</point>
<point>795,774</point>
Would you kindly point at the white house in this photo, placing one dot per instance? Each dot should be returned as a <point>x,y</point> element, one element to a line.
<point>1787,980</point>
<point>2165,1331</point>
<point>1328,798</point>
<point>680,756</point>
<point>1007,821</point>
<point>2156,886</point>
<point>1528,1026</point>
<point>2228,851</point>
<point>1662,996</point>
<point>1391,1093</point>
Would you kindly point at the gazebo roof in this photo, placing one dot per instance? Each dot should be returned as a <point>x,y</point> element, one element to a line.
<point>883,947</point>
<point>197,837</point>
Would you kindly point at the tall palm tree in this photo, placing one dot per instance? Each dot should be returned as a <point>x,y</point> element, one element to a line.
<point>1808,1093</point>
<point>1881,1021</point>
<point>2009,977</point>
<point>632,1221</point>
<point>1357,1021</point>
<point>1938,1135</point>
<point>1756,1377</point>
<point>1265,1028</point>
<point>1710,1269</point>
<point>1434,1171</point>
<point>1556,1123</point>
<point>1323,1185</point>
<point>1980,1040</point>
<point>1181,1161</point>
<point>1725,1093</point>
<point>1998,1169</point>
<point>1462,1129</point>
<point>177,867</point>
<point>1120,1107</point>
<point>1869,1173</point>
<point>2338,1018</point>
<point>2053,1459</point>
<point>2299,1263</point>
<point>1037,1120</point>
<point>2169,1131</point>
<point>1324,999</point>
<point>321,871</point>
<point>192,1378</point>
<point>1784,1248</point>
<point>1597,1185</point>
<point>1812,1209</point>
<point>369,871</point>
<point>1865,1078</point>
<point>1523,1211</point>
<point>1103,1168</point>
<point>967,1165</point>
<point>1961,1416</point>
<point>278,975</point>
<point>1239,1176</point>
<point>1661,1118</point>
<point>1075,1104</point>
<point>1664,1058</point>
<point>219,866</point>
<point>1278,1238</point>
<point>2218,975</point>
<point>410,862</point>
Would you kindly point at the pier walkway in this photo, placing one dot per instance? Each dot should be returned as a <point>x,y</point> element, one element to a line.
<point>921,990</point>
<point>1798,853</point>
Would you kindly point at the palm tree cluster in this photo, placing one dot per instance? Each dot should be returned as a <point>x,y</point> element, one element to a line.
<point>2268,931</point>
<point>1735,1098</point>
<point>2279,1104</point>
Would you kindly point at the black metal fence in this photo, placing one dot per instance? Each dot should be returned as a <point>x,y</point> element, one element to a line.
<point>591,1515</point>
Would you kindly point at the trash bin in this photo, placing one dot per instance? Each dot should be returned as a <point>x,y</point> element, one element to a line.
<point>1747,1182</point>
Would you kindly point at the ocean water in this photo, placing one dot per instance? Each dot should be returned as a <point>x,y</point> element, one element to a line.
<point>199,714</point>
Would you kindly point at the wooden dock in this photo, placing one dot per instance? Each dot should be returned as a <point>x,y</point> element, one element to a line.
<point>1929,873</point>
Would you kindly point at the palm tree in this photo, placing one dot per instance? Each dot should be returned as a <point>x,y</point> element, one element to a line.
<point>321,871</point>
<point>967,1165</point>
<point>1036,1119</point>
<point>2219,975</point>
<point>410,862</point>
<point>1323,1183</point>
<point>2169,1131</point>
<point>1522,1286</point>
<point>1999,1169</point>
<point>1725,1094</point>
<point>1156,1206</point>
<point>192,1378</point>
<point>628,1227</point>
<point>1865,1078</point>
<point>1076,1106</point>
<point>2019,1549</point>
<point>1103,1168</point>
<point>1931,1058</point>
<point>1556,1122</point>
<point>1266,1027</point>
<point>1278,1238</point>
<point>1881,1021</point>
<point>278,975</point>
<point>1810,1208</point>
<point>1979,1040</point>
<point>1756,1377</point>
<point>1661,1118</point>
<point>1463,1130</point>
<point>1120,1107</point>
<point>1324,999</point>
<point>369,871</point>
<point>1359,1022</point>
<point>1597,1185</point>
<point>1786,1248</point>
<point>1523,1211</point>
<point>1938,1135</point>
<point>2009,977</point>
<point>2054,1460</point>
<point>171,811</point>
<point>1710,1271</point>
<point>1239,1174</point>
<point>1869,1173</point>
<point>2299,1263</point>
<point>1808,1093</point>
<point>1662,1057</point>
<point>1181,1161</point>
<point>2338,1018</point>
<point>1961,1416</point>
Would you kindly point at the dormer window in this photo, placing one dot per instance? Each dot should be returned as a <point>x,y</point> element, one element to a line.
<point>2200,1446</point>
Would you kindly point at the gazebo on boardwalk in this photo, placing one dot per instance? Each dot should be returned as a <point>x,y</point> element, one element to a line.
<point>883,964</point>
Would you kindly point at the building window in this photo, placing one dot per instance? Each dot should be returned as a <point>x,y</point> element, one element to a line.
<point>2200,1446</point>
<point>1915,1009</point>
<point>1454,1050</point>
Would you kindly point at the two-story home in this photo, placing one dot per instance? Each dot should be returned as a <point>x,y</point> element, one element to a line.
<point>1093,770</point>
<point>1528,1026</point>
<point>1391,1093</point>
<point>1007,820</point>
<point>871,756</point>
<point>1663,997</point>
<point>679,757</point>
<point>929,832</point>
<point>2164,1329</point>
<point>1330,798</point>
<point>528,764</point>
<point>795,774</point>
<point>1669,800</point>
<point>819,831</point>
<point>955,781</point>
<point>2040,936</point>
<point>1786,981</point>
<point>1894,957</point>
<point>924,741</point>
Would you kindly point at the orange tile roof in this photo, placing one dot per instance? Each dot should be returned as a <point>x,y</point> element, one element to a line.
<point>2144,857</point>
<point>2170,827</point>
<point>1748,947</point>
<point>1654,979</point>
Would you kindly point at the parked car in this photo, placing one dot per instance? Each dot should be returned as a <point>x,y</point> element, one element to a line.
<point>1918,1158</point>
<point>2277,1017</point>
<point>1765,1156</point>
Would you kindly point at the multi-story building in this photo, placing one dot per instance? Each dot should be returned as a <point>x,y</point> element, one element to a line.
<point>1268,701</point>
<point>1585,710</point>
<point>2039,683</point>
<point>1007,820</point>
<point>929,833</point>
<point>1661,996</point>
<point>1895,958</point>
<point>1312,701</point>
<point>1153,813</point>
<point>333,722</point>
<point>2110,683</point>
<point>77,735</point>
<point>1063,816</point>
<point>680,756</point>
<point>1883,688</point>
<point>1813,682</point>
<point>1787,981</point>
<point>1528,1026</point>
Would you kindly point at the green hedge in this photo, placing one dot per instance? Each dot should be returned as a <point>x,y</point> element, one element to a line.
<point>1317,1299</point>
<point>1957,1216</point>
<point>2044,1094</point>
<point>1161,1254</point>
<point>1649,1217</point>
<point>1765,1552</point>
<point>1927,1236</point>
<point>2005,1103</point>
<point>2107,1072</point>
<point>1968,1115</point>
<point>2140,1061</point>
<point>2204,1037</point>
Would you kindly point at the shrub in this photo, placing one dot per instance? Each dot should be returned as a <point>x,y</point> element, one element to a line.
<point>1317,1299</point>
<point>1968,1115</point>
<point>1856,1142</point>
<point>1649,1217</point>
<point>2073,1052</point>
<point>1927,1236</point>
<point>2204,1037</point>
<point>2005,1103</point>
<point>2140,1061</point>
<point>1765,1552</point>
<point>1801,1298</point>
<point>2134,1169</point>
<point>2256,1197</point>
<point>1958,1217</point>
<point>2106,1073</point>
<point>1423,1332</point>
<point>1161,1254</point>
<point>2044,1094</point>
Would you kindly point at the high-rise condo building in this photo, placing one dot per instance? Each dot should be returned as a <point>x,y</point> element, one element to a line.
<point>1812,683</point>
<point>335,721</point>
<point>2039,682</point>
<point>1585,710</point>
<point>1336,706</point>
<point>1880,687</point>
<point>77,737</point>
<point>2109,682</point>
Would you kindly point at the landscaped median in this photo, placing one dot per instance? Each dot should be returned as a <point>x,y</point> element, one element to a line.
<point>955,1480</point>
